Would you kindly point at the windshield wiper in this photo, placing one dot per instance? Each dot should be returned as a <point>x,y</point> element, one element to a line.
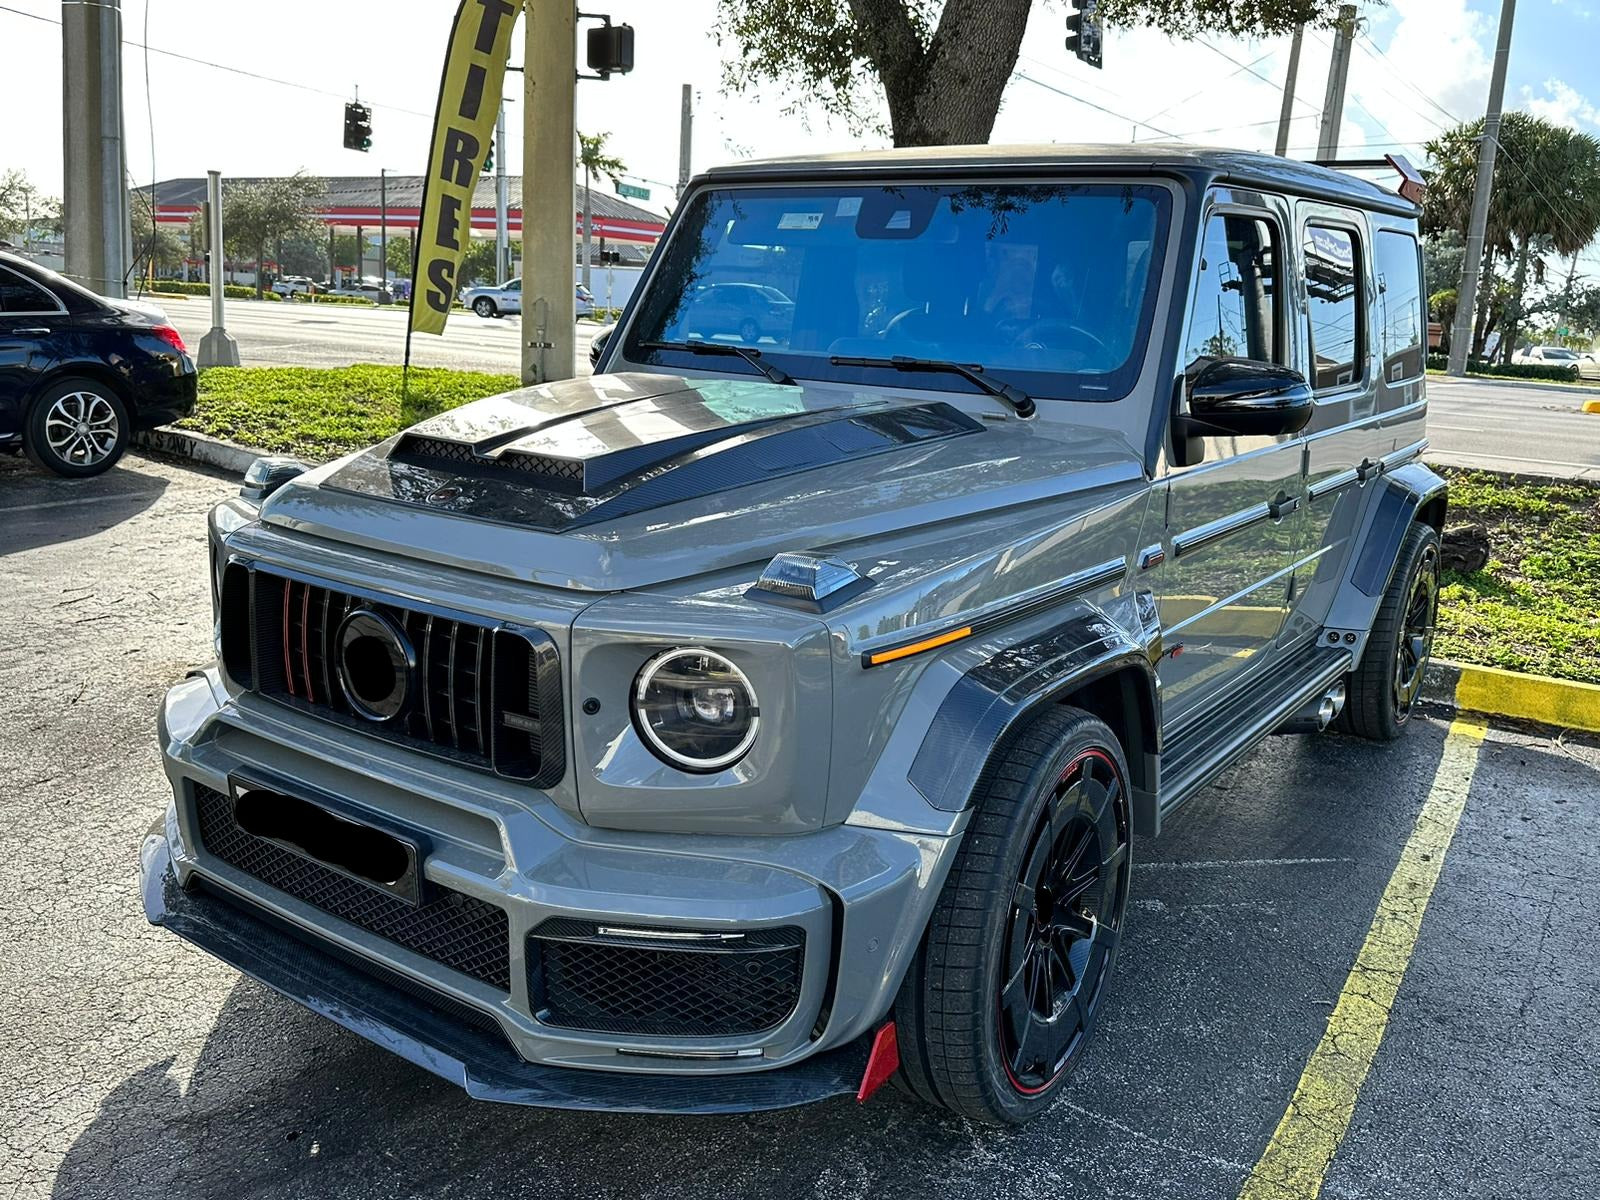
<point>726,349</point>
<point>1019,400</point>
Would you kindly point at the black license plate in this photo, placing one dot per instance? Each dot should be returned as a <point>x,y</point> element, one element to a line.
<point>381,857</point>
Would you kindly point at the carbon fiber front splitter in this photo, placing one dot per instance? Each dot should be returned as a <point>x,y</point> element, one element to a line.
<point>474,1058</point>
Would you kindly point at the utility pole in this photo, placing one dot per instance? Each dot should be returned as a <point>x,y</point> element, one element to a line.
<point>1467,293</point>
<point>217,348</point>
<point>549,78</point>
<point>94,207</point>
<point>1288,92</point>
<point>685,137</point>
<point>383,233</point>
<point>502,238</point>
<point>1338,71</point>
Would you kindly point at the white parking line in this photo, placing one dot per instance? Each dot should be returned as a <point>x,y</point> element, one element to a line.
<point>1237,862</point>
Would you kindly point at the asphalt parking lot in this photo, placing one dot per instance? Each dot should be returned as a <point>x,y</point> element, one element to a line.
<point>139,1067</point>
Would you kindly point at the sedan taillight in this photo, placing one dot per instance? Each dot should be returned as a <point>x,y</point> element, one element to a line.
<point>171,337</point>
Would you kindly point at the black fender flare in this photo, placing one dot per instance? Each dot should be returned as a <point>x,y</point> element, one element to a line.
<point>995,699</point>
<point>1409,493</point>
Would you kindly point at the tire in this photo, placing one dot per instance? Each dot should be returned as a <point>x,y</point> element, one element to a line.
<point>969,1040</point>
<point>749,331</point>
<point>77,427</point>
<point>1383,690</point>
<point>484,307</point>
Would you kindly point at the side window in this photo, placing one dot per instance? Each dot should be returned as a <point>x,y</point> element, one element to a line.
<point>20,295</point>
<point>1333,289</point>
<point>1236,312</point>
<point>1397,259</point>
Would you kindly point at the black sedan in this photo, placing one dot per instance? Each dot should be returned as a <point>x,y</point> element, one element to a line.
<point>79,373</point>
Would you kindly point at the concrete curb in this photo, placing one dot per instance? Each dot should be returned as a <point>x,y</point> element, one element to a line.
<point>1563,703</point>
<point>197,447</point>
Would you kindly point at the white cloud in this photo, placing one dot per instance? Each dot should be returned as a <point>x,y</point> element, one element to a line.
<point>1561,103</point>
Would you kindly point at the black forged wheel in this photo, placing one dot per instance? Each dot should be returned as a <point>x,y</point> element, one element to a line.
<point>78,427</point>
<point>1002,996</point>
<point>1384,688</point>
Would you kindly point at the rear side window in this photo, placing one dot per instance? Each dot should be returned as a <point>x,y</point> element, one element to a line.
<point>1235,313</point>
<point>1333,289</point>
<point>19,295</point>
<point>1397,260</point>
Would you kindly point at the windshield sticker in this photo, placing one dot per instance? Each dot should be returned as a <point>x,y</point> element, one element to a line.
<point>800,220</point>
<point>849,206</point>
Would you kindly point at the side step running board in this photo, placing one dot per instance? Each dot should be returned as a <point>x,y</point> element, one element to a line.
<point>1217,740</point>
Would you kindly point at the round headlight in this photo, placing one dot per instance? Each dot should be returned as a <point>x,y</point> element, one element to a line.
<point>696,709</point>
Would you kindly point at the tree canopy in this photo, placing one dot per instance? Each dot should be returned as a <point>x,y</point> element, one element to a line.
<point>24,208</point>
<point>940,65</point>
<point>259,214</point>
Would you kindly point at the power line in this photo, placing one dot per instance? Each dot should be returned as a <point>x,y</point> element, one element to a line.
<point>1194,95</point>
<point>216,66</point>
<point>1396,73</point>
<point>1110,112</point>
<point>1250,68</point>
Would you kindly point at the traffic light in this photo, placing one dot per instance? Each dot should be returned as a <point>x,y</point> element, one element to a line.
<point>1084,31</point>
<point>488,159</point>
<point>357,127</point>
<point>609,49</point>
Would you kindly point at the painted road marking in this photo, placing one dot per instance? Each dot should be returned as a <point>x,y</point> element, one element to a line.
<point>16,508</point>
<point>1230,863</point>
<point>1297,1158</point>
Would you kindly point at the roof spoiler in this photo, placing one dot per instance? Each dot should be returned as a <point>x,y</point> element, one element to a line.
<point>1413,186</point>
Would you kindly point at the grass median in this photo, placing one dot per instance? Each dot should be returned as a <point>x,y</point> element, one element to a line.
<point>321,413</point>
<point>1536,606</point>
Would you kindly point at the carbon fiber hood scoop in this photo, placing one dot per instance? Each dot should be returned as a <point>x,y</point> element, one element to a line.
<point>586,450</point>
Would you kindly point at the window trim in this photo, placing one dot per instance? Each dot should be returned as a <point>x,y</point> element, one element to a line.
<point>59,310</point>
<point>1422,305</point>
<point>1363,331</point>
<point>1280,331</point>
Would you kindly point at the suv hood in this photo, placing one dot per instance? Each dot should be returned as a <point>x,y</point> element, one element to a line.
<point>624,481</point>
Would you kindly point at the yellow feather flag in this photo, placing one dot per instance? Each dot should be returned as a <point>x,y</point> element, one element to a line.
<point>463,130</point>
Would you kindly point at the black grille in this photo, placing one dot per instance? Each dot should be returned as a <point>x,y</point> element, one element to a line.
<point>580,978</point>
<point>457,931</point>
<point>489,696</point>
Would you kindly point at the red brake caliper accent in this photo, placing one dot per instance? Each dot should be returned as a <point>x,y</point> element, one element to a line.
<point>883,1062</point>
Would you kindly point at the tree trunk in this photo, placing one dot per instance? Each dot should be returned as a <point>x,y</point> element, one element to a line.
<point>947,92</point>
<point>261,258</point>
<point>586,223</point>
<point>1508,344</point>
<point>1481,322</point>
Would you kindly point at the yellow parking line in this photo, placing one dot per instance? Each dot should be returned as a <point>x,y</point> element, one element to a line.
<point>1303,1146</point>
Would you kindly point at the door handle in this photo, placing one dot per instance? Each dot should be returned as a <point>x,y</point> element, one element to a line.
<point>1368,470</point>
<point>1282,506</point>
<point>36,331</point>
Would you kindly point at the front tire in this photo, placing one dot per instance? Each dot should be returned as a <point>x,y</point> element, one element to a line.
<point>77,428</point>
<point>1385,687</point>
<point>484,307</point>
<point>1001,999</point>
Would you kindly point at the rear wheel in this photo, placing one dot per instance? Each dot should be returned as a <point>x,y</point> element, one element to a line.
<point>79,427</point>
<point>484,306</point>
<point>1385,687</point>
<point>1002,997</point>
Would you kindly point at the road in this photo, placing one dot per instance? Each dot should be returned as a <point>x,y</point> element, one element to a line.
<point>305,335</point>
<point>1500,425</point>
<point>139,1067</point>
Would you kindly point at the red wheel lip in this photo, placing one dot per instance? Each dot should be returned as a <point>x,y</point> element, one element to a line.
<point>999,1017</point>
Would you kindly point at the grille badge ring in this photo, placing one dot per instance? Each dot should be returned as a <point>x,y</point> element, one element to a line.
<point>377,664</point>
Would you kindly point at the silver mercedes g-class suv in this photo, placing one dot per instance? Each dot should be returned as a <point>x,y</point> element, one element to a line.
<point>779,711</point>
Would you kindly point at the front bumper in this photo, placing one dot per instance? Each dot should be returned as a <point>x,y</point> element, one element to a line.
<point>861,895</point>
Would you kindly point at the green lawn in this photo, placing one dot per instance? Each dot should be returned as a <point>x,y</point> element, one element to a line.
<point>1536,606</point>
<point>321,413</point>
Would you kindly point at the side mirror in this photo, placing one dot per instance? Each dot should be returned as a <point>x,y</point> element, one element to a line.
<point>1238,397</point>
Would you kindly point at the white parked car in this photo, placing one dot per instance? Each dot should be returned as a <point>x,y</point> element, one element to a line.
<point>294,285</point>
<point>1547,356</point>
<point>507,298</point>
<point>1589,364</point>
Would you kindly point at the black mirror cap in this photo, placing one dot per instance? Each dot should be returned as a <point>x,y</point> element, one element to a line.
<point>1239,397</point>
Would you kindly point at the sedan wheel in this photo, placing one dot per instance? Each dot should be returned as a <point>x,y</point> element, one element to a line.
<point>483,306</point>
<point>77,428</point>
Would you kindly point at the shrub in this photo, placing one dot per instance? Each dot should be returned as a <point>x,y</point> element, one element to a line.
<point>233,291</point>
<point>1438,362</point>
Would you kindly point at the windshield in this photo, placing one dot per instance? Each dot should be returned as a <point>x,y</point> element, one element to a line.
<point>1554,352</point>
<point>1050,287</point>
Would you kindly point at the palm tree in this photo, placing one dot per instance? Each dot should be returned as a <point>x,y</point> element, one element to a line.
<point>1546,197</point>
<point>594,160</point>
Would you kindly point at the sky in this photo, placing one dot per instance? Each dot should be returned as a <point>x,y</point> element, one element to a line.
<point>261,87</point>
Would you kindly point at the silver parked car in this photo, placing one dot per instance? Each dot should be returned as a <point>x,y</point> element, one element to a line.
<point>749,724</point>
<point>507,299</point>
